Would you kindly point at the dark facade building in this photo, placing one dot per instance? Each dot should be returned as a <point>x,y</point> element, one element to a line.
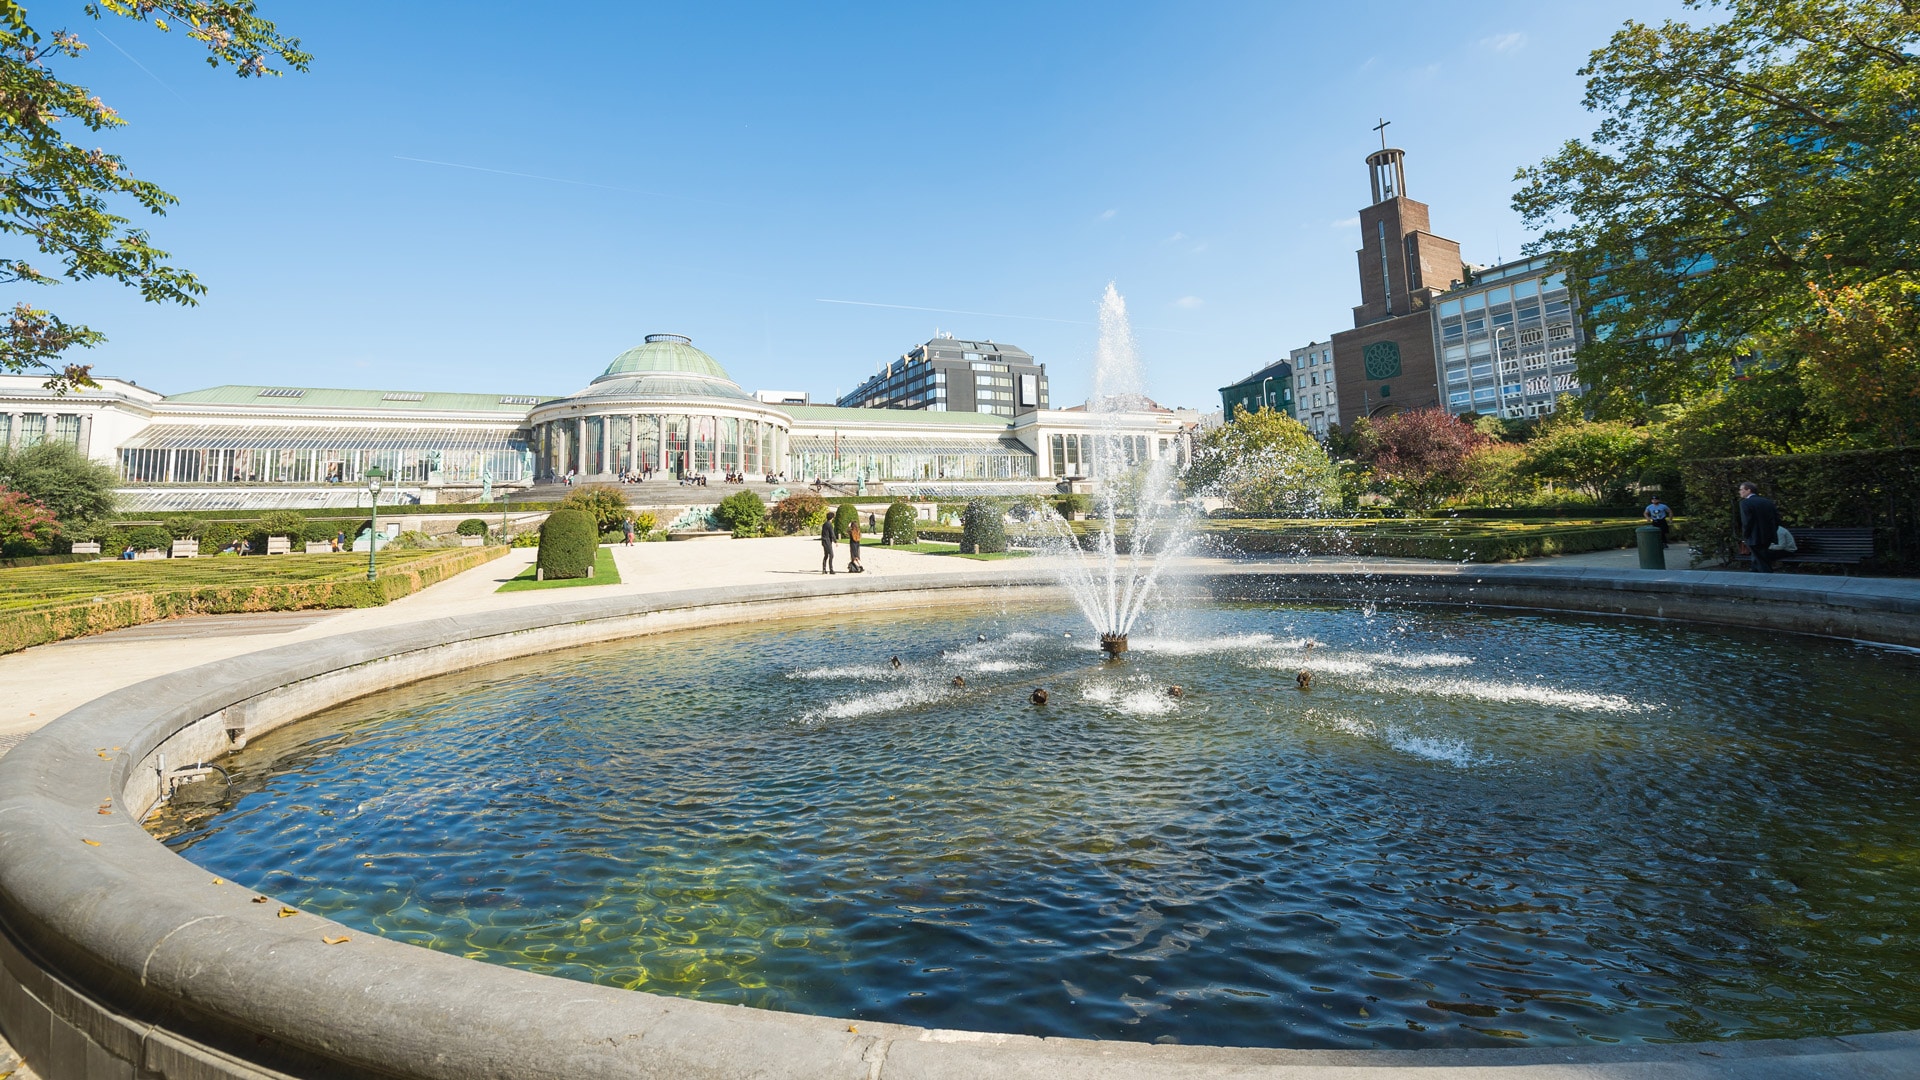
<point>1385,364</point>
<point>951,375</point>
<point>1269,388</point>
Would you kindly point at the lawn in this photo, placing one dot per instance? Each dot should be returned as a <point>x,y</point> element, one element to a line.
<point>39,604</point>
<point>604,573</point>
<point>932,547</point>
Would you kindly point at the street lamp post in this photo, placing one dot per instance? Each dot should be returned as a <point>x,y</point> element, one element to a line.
<point>1266,396</point>
<point>373,525</point>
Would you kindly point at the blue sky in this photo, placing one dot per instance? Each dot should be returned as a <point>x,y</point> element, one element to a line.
<point>469,196</point>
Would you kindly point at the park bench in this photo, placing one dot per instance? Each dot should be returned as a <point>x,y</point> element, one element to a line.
<point>1838,547</point>
<point>185,549</point>
<point>279,545</point>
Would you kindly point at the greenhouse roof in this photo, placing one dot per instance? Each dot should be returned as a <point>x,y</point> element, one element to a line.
<point>828,414</point>
<point>396,400</point>
<point>665,352</point>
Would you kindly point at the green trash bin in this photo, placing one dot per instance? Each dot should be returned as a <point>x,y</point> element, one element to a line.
<point>1653,553</point>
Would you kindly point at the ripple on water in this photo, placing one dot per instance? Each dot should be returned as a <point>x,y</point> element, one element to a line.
<point>1403,856</point>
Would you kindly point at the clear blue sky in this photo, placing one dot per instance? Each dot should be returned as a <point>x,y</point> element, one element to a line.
<point>718,170</point>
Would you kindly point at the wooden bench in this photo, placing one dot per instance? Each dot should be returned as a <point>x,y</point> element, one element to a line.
<point>1838,547</point>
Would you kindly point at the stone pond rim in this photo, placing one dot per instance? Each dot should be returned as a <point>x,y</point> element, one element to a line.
<point>119,957</point>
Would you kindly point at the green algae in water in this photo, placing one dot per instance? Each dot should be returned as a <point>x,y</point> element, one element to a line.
<point>1473,830</point>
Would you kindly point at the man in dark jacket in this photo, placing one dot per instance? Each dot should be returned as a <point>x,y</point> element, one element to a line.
<point>1759,526</point>
<point>826,545</point>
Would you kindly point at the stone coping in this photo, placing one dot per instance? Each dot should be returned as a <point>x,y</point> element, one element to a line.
<point>120,958</point>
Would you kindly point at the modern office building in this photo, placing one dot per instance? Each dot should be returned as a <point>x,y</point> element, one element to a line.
<point>1316,401</point>
<point>1385,364</point>
<point>663,406</point>
<point>947,374</point>
<point>1269,388</point>
<point>1506,342</point>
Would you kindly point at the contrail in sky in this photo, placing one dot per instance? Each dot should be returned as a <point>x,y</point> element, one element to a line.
<point>989,314</point>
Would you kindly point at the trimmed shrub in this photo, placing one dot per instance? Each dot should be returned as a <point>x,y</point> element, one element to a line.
<point>1877,489</point>
<point>902,525</point>
<point>472,527</point>
<point>216,535</point>
<point>605,503</point>
<point>1068,505</point>
<point>148,537</point>
<point>568,543</point>
<point>743,513</point>
<point>843,518</point>
<point>983,529</point>
<point>802,511</point>
<point>320,532</point>
<point>277,523</point>
<point>644,523</point>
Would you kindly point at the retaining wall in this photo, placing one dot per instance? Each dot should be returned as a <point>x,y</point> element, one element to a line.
<point>119,959</point>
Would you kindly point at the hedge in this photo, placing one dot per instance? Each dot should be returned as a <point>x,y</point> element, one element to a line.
<point>569,539</point>
<point>901,526</point>
<point>844,515</point>
<point>1458,544</point>
<point>211,587</point>
<point>1876,489</point>
<point>472,527</point>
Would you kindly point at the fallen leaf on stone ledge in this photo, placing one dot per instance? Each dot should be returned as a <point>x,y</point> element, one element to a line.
<point>259,899</point>
<point>90,843</point>
<point>286,911</point>
<point>341,940</point>
<point>217,881</point>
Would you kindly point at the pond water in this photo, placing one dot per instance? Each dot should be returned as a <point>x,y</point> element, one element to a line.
<point>1472,830</point>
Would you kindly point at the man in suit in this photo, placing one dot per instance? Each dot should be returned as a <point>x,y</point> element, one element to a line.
<point>827,536</point>
<point>1759,526</point>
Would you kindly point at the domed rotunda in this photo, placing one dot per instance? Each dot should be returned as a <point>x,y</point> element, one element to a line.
<point>662,406</point>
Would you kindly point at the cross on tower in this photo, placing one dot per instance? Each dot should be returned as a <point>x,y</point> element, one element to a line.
<point>1381,127</point>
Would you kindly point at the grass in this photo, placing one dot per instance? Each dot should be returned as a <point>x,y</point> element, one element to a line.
<point>41,604</point>
<point>604,573</point>
<point>35,586</point>
<point>933,547</point>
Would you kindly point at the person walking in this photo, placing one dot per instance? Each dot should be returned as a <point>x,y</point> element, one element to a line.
<point>1661,515</point>
<point>1759,526</point>
<point>628,523</point>
<point>826,545</point>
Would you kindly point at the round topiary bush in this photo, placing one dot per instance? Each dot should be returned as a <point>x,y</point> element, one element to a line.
<point>902,525</point>
<point>743,513</point>
<point>843,518</point>
<point>472,527</point>
<point>569,540</point>
<point>983,529</point>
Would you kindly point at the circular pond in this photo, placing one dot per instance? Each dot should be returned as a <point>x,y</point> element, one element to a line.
<point>1472,830</point>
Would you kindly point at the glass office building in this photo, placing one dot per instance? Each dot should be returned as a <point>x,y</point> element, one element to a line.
<point>1506,343</point>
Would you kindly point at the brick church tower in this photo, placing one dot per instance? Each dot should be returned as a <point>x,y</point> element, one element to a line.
<point>1385,364</point>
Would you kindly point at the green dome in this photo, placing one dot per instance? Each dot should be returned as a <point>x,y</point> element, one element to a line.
<point>665,352</point>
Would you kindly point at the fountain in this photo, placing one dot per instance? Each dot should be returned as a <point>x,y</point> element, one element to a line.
<point>1110,574</point>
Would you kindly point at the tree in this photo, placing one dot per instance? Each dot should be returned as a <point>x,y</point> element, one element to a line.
<point>802,511</point>
<point>25,523</point>
<point>1735,163</point>
<point>1422,455</point>
<point>78,490</point>
<point>1861,357</point>
<point>1495,475</point>
<point>604,503</point>
<point>1597,456</point>
<point>1264,463</point>
<point>60,198</point>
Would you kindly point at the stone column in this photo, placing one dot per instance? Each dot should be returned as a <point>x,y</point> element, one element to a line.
<point>579,464</point>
